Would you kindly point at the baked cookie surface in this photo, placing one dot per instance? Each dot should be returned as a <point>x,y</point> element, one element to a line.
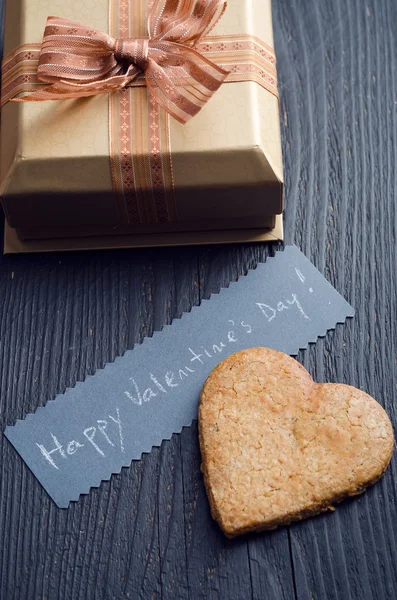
<point>277,447</point>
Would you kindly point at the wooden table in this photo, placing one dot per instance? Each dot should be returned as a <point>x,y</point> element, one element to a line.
<point>148,532</point>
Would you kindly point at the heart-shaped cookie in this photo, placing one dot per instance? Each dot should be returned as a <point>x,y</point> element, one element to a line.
<point>277,447</point>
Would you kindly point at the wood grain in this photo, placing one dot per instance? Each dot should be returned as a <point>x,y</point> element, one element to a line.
<point>148,533</point>
<point>337,66</point>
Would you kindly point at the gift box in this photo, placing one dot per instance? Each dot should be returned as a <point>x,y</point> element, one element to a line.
<point>117,163</point>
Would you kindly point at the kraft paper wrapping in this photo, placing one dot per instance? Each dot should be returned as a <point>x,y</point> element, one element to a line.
<point>55,166</point>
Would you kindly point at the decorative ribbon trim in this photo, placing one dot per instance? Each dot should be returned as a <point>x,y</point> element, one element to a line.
<point>19,72</point>
<point>246,58</point>
<point>140,146</point>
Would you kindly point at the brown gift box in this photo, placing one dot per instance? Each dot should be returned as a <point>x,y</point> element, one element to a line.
<point>55,168</point>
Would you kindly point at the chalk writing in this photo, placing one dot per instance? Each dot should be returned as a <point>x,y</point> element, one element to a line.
<point>302,278</point>
<point>300,275</point>
<point>120,428</point>
<point>162,384</point>
<point>139,395</point>
<point>200,356</point>
<point>90,434</point>
<point>271,313</point>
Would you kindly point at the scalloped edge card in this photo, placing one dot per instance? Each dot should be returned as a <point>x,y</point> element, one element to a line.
<point>110,419</point>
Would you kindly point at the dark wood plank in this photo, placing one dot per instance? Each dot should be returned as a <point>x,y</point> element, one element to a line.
<point>336,62</point>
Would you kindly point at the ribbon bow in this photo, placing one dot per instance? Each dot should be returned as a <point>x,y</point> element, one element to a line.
<point>78,62</point>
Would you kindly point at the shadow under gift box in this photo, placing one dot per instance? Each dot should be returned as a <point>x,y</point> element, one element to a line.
<point>56,178</point>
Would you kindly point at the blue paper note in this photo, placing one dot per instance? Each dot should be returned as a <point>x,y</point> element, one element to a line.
<point>103,423</point>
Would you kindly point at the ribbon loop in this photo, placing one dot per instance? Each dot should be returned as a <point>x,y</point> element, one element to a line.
<point>78,61</point>
<point>133,51</point>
